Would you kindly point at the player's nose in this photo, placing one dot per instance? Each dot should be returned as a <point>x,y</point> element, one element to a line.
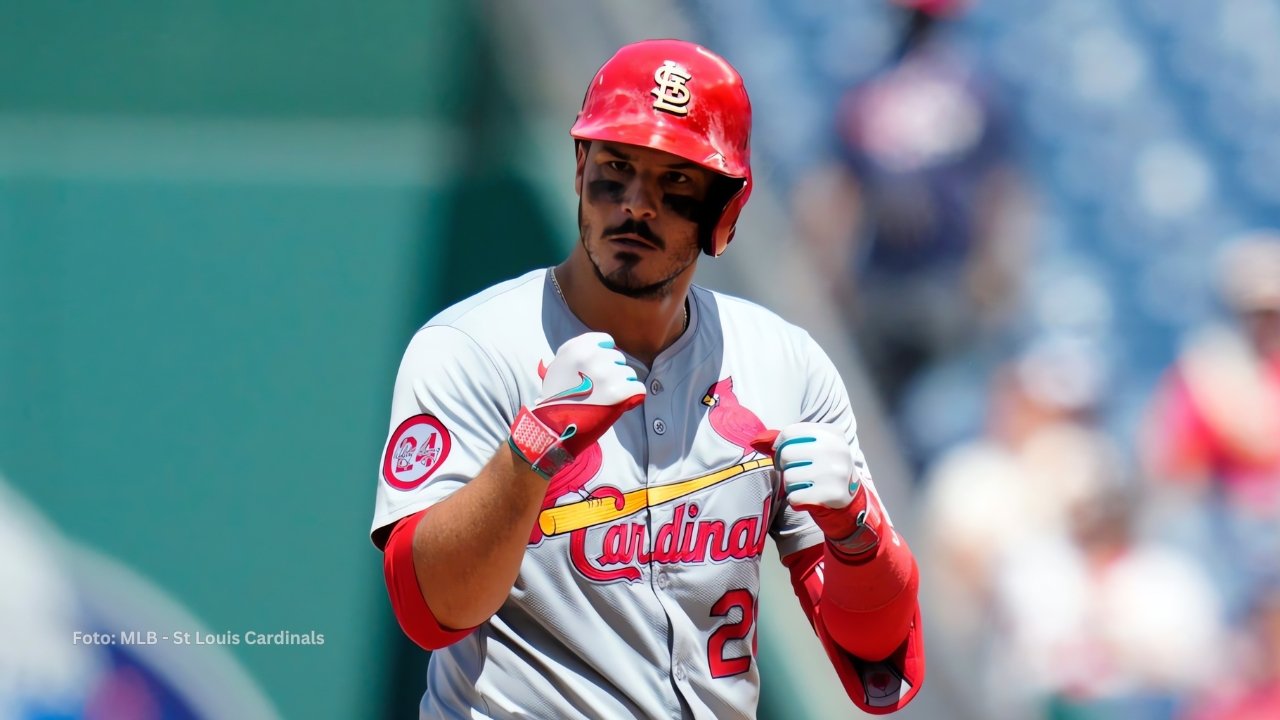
<point>640,201</point>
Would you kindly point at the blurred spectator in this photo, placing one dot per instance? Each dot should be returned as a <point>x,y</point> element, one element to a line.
<point>1252,682</point>
<point>1213,429</point>
<point>984,497</point>
<point>919,226</point>
<point>1215,422</point>
<point>1098,624</point>
<point>1049,596</point>
<point>987,497</point>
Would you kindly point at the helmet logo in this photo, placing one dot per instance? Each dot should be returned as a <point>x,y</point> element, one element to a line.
<point>671,93</point>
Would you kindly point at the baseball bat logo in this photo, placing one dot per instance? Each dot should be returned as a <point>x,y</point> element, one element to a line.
<point>587,513</point>
<point>688,537</point>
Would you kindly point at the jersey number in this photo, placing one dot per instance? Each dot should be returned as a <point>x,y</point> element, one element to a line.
<point>720,665</point>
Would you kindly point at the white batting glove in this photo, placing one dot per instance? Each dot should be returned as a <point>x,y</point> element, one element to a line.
<point>816,465</point>
<point>587,387</point>
<point>820,477</point>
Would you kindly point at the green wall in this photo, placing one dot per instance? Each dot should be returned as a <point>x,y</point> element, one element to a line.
<point>220,221</point>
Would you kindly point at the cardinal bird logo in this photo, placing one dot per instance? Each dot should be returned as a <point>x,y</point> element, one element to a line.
<point>729,419</point>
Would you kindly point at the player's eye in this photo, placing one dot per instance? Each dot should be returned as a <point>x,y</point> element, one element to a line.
<point>678,178</point>
<point>618,165</point>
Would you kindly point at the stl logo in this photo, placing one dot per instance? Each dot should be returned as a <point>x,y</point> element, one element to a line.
<point>417,447</point>
<point>671,93</point>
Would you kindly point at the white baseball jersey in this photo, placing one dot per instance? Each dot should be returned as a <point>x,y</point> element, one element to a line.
<point>637,596</point>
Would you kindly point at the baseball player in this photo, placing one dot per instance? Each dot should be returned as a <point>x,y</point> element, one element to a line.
<point>584,462</point>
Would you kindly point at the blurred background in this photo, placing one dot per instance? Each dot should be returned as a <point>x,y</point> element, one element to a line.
<point>1039,239</point>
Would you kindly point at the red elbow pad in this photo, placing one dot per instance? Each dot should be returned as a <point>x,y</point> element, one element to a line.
<point>867,617</point>
<point>869,606</point>
<point>410,608</point>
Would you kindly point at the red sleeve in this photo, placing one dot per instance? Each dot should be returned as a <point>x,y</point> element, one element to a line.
<point>867,616</point>
<point>1178,441</point>
<point>411,611</point>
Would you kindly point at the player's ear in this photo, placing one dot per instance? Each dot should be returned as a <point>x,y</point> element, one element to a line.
<point>580,148</point>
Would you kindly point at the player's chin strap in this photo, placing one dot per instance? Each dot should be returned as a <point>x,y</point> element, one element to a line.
<point>853,531</point>
<point>540,446</point>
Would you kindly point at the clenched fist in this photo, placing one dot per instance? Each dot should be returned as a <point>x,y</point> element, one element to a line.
<point>587,387</point>
<point>821,476</point>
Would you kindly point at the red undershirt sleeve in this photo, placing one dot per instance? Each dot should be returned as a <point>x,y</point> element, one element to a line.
<point>411,610</point>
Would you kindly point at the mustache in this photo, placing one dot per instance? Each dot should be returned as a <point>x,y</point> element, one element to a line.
<point>640,229</point>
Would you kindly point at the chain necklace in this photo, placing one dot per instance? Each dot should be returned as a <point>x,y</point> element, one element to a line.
<point>556,282</point>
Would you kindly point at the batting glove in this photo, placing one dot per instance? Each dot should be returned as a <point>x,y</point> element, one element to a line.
<point>820,477</point>
<point>587,387</point>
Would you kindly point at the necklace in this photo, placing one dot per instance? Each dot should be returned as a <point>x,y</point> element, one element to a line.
<point>556,282</point>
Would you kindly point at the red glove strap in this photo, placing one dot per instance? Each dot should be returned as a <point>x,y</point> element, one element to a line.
<point>538,444</point>
<point>852,531</point>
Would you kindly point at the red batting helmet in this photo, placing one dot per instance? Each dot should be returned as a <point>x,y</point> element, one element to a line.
<point>936,8</point>
<point>680,98</point>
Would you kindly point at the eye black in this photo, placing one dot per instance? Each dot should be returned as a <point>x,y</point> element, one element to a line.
<point>685,206</point>
<point>605,190</point>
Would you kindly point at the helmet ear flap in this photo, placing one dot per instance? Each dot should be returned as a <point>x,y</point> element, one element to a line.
<point>722,190</point>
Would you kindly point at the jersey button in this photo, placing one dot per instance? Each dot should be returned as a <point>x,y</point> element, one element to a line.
<point>663,581</point>
<point>680,673</point>
<point>655,387</point>
<point>659,426</point>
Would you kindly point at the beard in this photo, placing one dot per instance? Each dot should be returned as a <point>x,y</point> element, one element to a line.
<point>624,279</point>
